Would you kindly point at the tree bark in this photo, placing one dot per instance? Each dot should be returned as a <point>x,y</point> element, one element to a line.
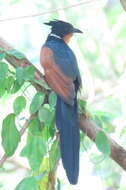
<point>123,2</point>
<point>118,153</point>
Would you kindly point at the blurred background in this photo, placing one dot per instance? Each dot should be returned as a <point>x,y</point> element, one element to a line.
<point>101,55</point>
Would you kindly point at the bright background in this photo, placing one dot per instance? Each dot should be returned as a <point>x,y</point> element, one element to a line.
<point>101,56</point>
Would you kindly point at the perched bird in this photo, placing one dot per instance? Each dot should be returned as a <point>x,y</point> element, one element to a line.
<point>63,76</point>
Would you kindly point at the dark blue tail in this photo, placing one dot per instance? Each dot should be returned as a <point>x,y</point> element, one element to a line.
<point>67,124</point>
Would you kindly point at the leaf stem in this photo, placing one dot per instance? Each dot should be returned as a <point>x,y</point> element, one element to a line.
<point>4,157</point>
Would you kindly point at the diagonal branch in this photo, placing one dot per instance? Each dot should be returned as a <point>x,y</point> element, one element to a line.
<point>123,2</point>
<point>118,153</point>
<point>22,63</point>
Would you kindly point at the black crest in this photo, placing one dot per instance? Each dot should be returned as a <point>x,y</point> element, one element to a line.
<point>62,28</point>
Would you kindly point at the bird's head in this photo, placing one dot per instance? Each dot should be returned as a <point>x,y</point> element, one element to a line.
<point>63,29</point>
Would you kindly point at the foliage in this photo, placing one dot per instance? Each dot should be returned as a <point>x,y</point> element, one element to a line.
<point>28,183</point>
<point>102,143</point>
<point>19,104</point>
<point>36,102</point>
<point>34,151</point>
<point>102,56</point>
<point>10,135</point>
<point>41,149</point>
<point>40,141</point>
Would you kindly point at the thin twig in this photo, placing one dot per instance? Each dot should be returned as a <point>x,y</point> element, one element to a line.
<point>47,12</point>
<point>4,157</point>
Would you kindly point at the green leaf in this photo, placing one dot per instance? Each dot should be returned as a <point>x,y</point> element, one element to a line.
<point>102,143</point>
<point>103,120</point>
<point>15,87</point>
<point>25,74</point>
<point>16,54</point>
<point>58,184</point>
<point>20,75</point>
<point>45,115</point>
<point>2,91</point>
<point>29,73</point>
<point>54,154</point>
<point>28,183</point>
<point>6,85</point>
<point>37,101</point>
<point>52,99</point>
<point>2,55</point>
<point>3,70</point>
<point>19,104</point>
<point>10,135</point>
<point>9,83</point>
<point>34,151</point>
<point>2,87</point>
<point>82,106</point>
<point>52,129</point>
<point>35,127</point>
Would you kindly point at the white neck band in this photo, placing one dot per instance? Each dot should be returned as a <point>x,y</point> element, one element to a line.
<point>55,35</point>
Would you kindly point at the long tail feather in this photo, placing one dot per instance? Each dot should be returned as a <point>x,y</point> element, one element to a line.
<point>67,124</point>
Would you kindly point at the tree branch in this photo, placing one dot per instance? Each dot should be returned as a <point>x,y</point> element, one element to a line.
<point>118,153</point>
<point>123,2</point>
<point>22,63</point>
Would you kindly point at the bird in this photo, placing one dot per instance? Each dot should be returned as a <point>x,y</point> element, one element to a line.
<point>62,74</point>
